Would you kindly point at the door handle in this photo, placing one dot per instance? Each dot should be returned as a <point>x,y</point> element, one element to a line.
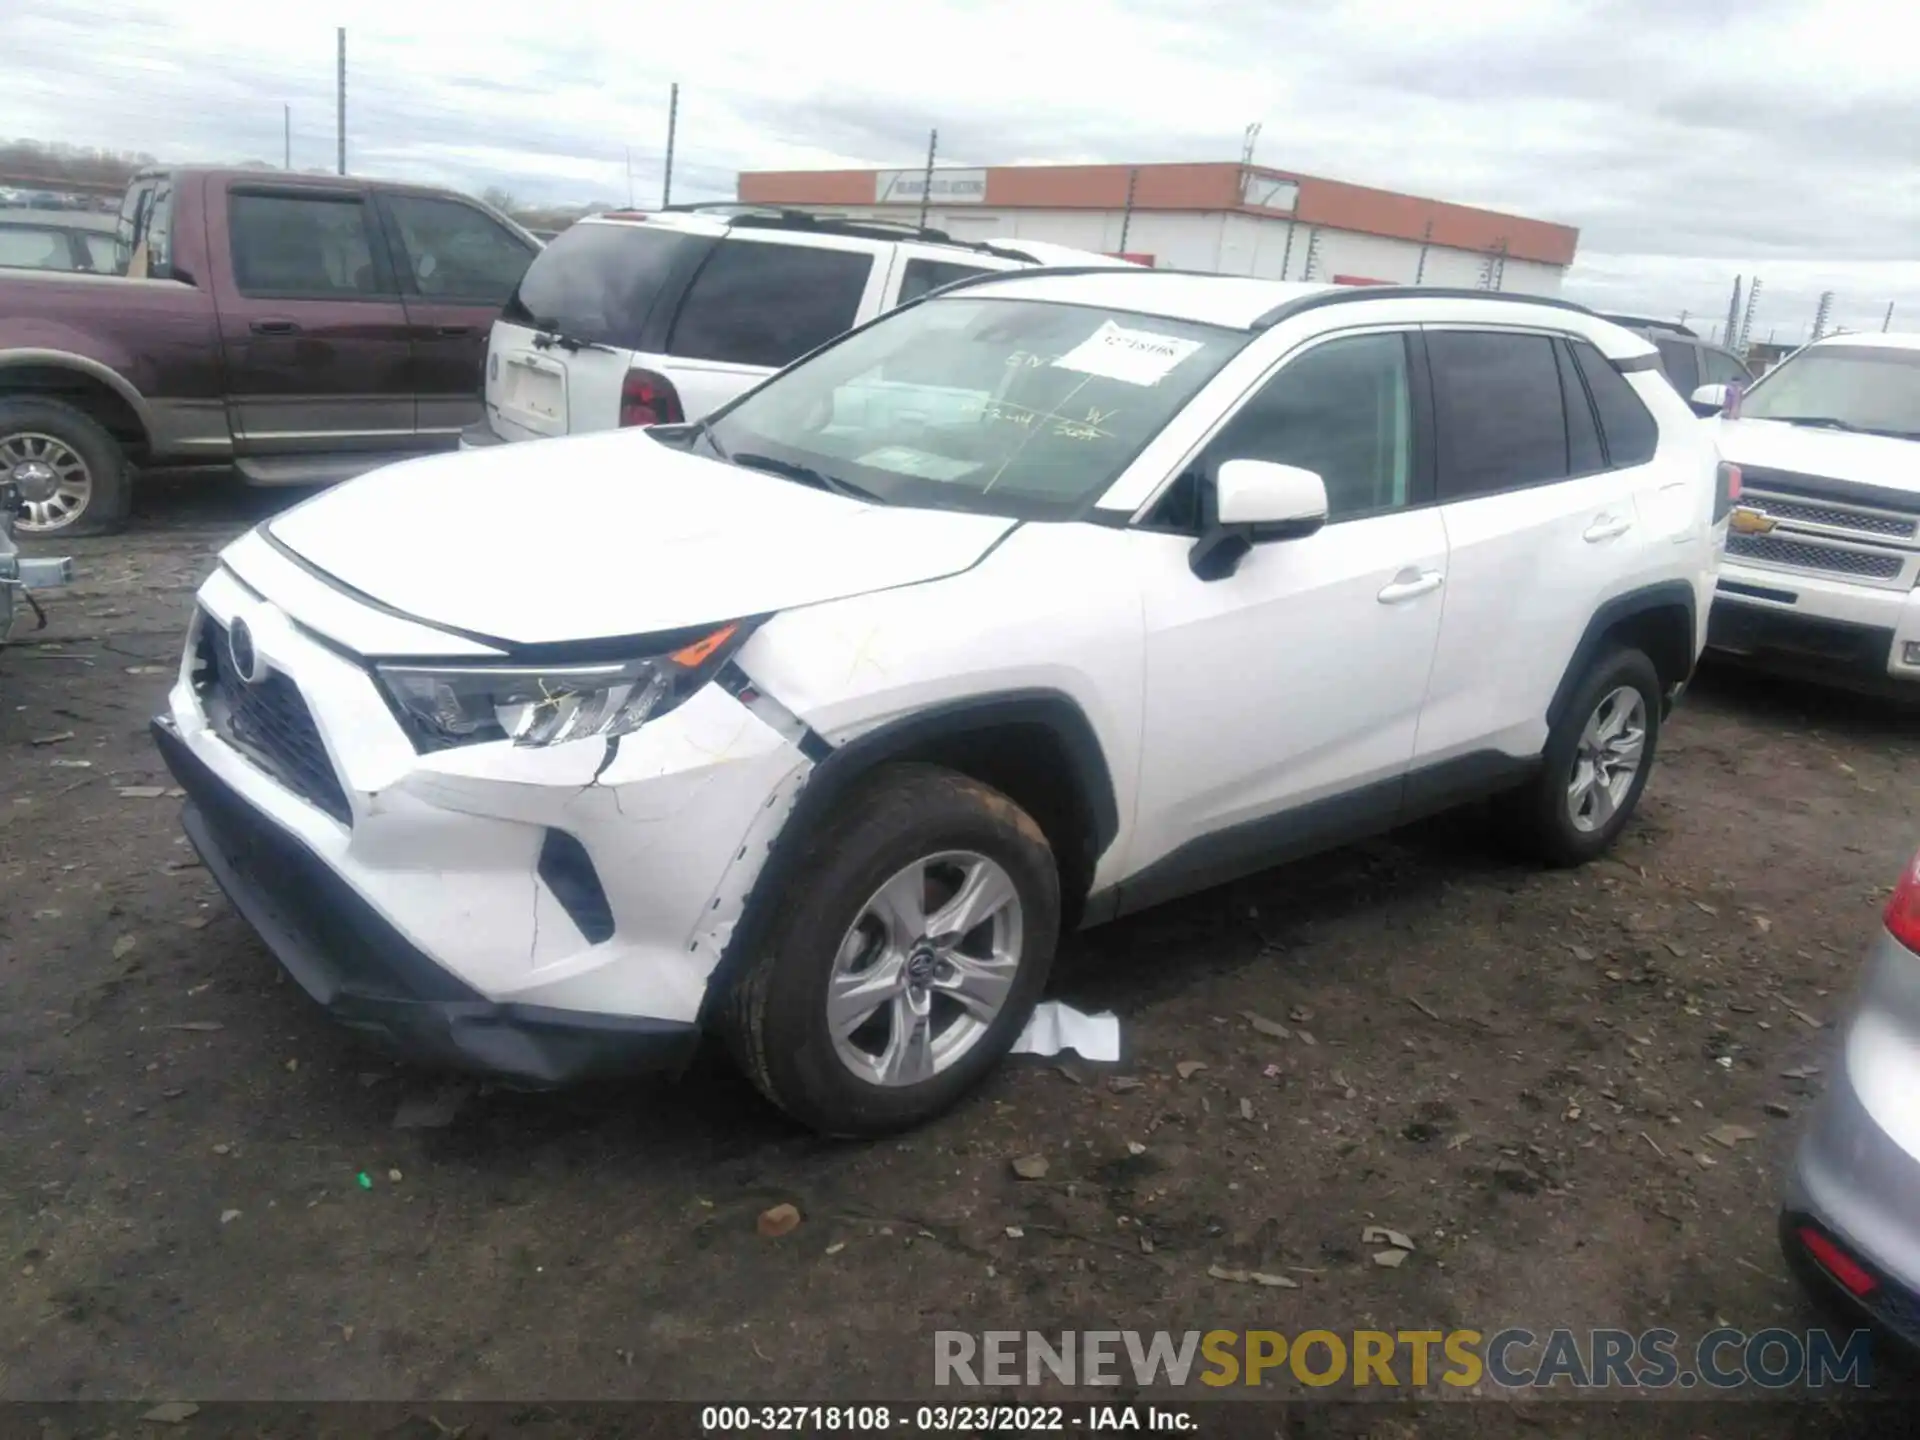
<point>1411,584</point>
<point>453,332</point>
<point>1606,527</point>
<point>274,327</point>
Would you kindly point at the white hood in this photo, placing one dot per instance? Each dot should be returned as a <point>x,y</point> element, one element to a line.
<point>1804,450</point>
<point>611,534</point>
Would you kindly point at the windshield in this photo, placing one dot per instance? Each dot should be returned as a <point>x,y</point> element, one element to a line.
<point>1854,387</point>
<point>1005,407</point>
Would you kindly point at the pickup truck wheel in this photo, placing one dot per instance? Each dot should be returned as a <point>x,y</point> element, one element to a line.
<point>1595,766</point>
<point>71,474</point>
<point>905,958</point>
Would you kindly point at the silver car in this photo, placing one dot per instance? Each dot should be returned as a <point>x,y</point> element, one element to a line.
<point>1851,1223</point>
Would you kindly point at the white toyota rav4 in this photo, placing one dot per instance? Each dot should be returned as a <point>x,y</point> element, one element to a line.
<point>1036,602</point>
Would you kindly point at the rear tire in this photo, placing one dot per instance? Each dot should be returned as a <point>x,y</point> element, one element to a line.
<point>1595,766</point>
<point>72,475</point>
<point>849,1020</point>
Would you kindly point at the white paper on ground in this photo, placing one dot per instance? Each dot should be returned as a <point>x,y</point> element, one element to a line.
<point>1137,357</point>
<point>1056,1027</point>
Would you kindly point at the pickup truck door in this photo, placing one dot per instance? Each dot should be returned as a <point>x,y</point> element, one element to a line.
<point>457,265</point>
<point>312,327</point>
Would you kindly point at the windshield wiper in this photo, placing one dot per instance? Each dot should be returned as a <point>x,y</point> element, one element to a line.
<point>548,334</point>
<point>1828,422</point>
<point>805,474</point>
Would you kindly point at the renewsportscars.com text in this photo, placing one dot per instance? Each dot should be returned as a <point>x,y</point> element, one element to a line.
<point>1513,1358</point>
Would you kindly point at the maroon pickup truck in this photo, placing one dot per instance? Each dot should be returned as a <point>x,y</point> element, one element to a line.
<point>301,329</point>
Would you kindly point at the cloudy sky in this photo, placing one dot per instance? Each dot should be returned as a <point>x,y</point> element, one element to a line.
<point>1688,142</point>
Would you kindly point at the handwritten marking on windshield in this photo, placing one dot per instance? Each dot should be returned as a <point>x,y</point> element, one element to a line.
<point>1067,427</point>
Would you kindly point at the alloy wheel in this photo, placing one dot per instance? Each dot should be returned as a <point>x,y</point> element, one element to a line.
<point>1608,757</point>
<point>925,968</point>
<point>54,484</point>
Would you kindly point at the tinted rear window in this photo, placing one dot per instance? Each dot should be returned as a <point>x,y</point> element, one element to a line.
<point>597,283</point>
<point>1629,431</point>
<point>1676,358</point>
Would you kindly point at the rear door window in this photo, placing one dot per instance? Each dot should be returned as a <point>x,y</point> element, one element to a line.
<point>1499,420</point>
<point>1677,358</point>
<point>1625,426</point>
<point>454,252</point>
<point>1584,455</point>
<point>756,303</point>
<point>317,246</point>
<point>598,282</point>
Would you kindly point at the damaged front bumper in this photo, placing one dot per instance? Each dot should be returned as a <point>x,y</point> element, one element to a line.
<point>371,978</point>
<point>542,914</point>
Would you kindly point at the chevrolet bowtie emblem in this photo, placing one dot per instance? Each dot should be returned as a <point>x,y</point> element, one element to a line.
<point>1747,521</point>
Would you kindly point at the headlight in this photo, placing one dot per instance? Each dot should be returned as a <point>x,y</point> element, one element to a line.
<point>448,705</point>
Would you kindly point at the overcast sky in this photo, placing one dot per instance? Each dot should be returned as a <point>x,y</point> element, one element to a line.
<point>1766,137</point>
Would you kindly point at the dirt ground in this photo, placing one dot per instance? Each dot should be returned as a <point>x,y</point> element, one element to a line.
<point>204,1192</point>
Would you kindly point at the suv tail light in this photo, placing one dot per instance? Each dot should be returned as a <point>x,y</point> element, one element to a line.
<point>648,398</point>
<point>1903,910</point>
<point>1836,1262</point>
<point>1726,491</point>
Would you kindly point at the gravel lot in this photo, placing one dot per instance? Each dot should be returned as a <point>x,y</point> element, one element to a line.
<point>1518,1069</point>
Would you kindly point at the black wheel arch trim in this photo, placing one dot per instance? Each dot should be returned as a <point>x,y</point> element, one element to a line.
<point>843,765</point>
<point>1666,595</point>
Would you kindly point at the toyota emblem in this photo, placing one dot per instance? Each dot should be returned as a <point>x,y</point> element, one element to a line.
<point>246,659</point>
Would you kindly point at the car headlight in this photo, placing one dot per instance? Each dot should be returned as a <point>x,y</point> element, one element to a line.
<point>447,705</point>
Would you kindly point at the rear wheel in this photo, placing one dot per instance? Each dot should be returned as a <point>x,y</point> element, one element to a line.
<point>905,958</point>
<point>70,474</point>
<point>1595,766</point>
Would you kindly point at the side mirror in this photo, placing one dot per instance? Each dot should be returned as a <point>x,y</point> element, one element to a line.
<point>1710,399</point>
<point>1256,501</point>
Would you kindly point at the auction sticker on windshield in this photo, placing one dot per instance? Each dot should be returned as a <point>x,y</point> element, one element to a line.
<point>1137,357</point>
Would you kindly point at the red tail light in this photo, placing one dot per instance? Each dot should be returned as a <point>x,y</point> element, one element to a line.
<point>1836,1262</point>
<point>1903,910</point>
<point>647,398</point>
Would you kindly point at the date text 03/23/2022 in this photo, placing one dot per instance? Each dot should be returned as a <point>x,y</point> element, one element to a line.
<point>941,1419</point>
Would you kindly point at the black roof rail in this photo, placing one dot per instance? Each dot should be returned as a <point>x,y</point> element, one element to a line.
<point>1351,294</point>
<point>785,217</point>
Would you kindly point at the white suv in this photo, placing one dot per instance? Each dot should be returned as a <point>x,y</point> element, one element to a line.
<point>1824,556</point>
<point>644,319</point>
<point>1028,605</point>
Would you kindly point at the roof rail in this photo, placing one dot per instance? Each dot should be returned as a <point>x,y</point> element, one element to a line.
<point>1643,322</point>
<point>784,217</point>
<point>1351,294</point>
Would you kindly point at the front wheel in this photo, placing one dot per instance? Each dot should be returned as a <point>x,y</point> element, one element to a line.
<point>1595,766</point>
<point>906,956</point>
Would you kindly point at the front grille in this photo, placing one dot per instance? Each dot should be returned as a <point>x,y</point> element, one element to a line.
<point>268,722</point>
<point>1866,522</point>
<point>1806,555</point>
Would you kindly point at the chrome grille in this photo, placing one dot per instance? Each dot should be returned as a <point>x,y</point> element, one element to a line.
<point>1809,555</point>
<point>1896,527</point>
<point>268,722</point>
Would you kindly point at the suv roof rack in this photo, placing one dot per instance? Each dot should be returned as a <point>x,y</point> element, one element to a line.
<point>1333,295</point>
<point>783,217</point>
<point>1642,322</point>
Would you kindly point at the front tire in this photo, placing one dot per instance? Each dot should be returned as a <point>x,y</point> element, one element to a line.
<point>907,953</point>
<point>1595,766</point>
<point>70,473</point>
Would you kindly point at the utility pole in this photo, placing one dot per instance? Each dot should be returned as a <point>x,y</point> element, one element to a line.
<point>1732,332</point>
<point>1885,323</point>
<point>340,97</point>
<point>286,116</point>
<point>1126,215</point>
<point>673,123</point>
<point>1313,254</point>
<point>1426,240</point>
<point>1286,255</point>
<point>1248,141</point>
<point>1746,320</point>
<point>1822,314</point>
<point>926,183</point>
